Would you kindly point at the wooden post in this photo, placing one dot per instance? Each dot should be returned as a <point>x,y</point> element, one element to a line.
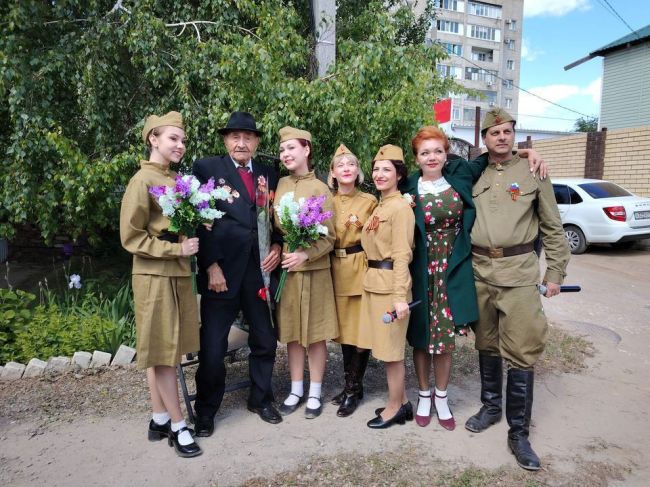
<point>477,126</point>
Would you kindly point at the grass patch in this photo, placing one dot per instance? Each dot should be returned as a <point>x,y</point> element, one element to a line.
<point>565,353</point>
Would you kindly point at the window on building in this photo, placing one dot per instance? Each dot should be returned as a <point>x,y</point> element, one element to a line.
<point>479,74</point>
<point>510,43</point>
<point>455,113</point>
<point>449,71</point>
<point>456,5</point>
<point>484,32</point>
<point>456,49</point>
<point>508,102</point>
<point>508,84</point>
<point>479,54</point>
<point>484,96</point>
<point>484,10</point>
<point>512,24</point>
<point>469,114</point>
<point>510,64</point>
<point>448,26</point>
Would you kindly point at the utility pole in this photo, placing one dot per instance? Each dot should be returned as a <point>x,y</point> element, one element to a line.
<point>324,17</point>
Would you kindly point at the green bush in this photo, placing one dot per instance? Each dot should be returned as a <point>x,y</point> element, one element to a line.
<point>15,314</point>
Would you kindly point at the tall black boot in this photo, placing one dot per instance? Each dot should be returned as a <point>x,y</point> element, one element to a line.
<point>491,394</point>
<point>519,406</point>
<point>348,351</point>
<point>354,386</point>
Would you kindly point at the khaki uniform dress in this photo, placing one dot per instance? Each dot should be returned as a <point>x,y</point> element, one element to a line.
<point>391,239</point>
<point>306,312</point>
<point>351,211</point>
<point>511,207</point>
<point>166,314</point>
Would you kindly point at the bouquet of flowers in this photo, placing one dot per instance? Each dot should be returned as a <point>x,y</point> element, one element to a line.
<point>263,202</point>
<point>189,204</point>
<point>303,223</point>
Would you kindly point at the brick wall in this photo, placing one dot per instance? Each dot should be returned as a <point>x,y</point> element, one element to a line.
<point>566,155</point>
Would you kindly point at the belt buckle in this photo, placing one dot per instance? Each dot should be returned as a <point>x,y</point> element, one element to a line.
<point>340,253</point>
<point>496,253</point>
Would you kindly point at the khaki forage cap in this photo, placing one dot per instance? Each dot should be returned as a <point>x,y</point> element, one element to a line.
<point>288,133</point>
<point>389,152</point>
<point>342,150</point>
<point>496,116</point>
<point>173,119</point>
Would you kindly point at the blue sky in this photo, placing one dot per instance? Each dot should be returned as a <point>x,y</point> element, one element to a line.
<point>556,33</point>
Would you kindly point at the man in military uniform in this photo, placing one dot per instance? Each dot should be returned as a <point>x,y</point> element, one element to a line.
<point>512,207</point>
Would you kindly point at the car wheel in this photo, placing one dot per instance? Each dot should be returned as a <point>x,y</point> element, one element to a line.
<point>576,239</point>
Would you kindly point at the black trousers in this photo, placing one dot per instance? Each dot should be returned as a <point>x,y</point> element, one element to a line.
<point>217,316</point>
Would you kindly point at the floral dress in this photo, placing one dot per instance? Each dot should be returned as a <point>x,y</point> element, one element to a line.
<point>442,218</point>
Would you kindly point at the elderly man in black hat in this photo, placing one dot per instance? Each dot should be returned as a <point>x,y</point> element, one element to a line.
<point>231,274</point>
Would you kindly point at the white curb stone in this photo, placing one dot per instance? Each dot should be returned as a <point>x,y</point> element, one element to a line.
<point>82,359</point>
<point>123,356</point>
<point>57,365</point>
<point>100,359</point>
<point>35,368</point>
<point>12,371</point>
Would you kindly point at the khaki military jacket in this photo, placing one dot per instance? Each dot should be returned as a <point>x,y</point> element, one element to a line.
<point>142,222</point>
<point>351,212</point>
<point>392,239</point>
<point>304,187</point>
<point>512,206</point>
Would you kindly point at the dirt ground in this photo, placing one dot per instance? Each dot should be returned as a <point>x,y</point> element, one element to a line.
<point>589,426</point>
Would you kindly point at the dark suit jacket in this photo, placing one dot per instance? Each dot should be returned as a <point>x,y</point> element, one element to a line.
<point>234,236</point>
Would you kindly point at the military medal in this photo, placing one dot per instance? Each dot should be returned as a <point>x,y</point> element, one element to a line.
<point>353,220</point>
<point>373,225</point>
<point>514,191</point>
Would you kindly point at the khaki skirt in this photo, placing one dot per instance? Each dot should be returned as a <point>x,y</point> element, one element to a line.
<point>166,318</point>
<point>348,312</point>
<point>307,313</point>
<point>387,341</point>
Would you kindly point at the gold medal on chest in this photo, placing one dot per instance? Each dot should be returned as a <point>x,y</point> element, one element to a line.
<point>353,220</point>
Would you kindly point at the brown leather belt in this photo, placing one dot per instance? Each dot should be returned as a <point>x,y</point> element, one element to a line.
<point>381,264</point>
<point>343,252</point>
<point>504,252</point>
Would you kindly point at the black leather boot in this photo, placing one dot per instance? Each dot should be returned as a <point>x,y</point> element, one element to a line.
<point>354,386</point>
<point>348,352</point>
<point>491,394</point>
<point>519,406</point>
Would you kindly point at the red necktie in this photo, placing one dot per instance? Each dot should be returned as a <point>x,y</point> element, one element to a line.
<point>247,178</point>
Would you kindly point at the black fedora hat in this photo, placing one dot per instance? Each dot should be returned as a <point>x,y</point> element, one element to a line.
<point>240,121</point>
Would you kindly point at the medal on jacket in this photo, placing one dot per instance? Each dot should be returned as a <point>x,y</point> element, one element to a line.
<point>514,191</point>
<point>353,220</point>
<point>374,224</point>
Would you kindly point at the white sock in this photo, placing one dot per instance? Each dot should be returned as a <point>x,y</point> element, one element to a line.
<point>185,438</point>
<point>297,390</point>
<point>441,404</point>
<point>314,392</point>
<point>160,418</point>
<point>424,403</point>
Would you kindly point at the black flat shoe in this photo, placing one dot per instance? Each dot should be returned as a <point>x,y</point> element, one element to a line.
<point>185,451</point>
<point>159,431</point>
<point>285,410</point>
<point>315,412</point>
<point>267,413</point>
<point>204,426</point>
<point>380,423</point>
<point>408,407</point>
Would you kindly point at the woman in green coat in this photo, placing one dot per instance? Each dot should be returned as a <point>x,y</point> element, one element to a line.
<point>441,192</point>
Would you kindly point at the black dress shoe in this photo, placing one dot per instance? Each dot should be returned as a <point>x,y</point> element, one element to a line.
<point>185,451</point>
<point>285,410</point>
<point>159,431</point>
<point>268,413</point>
<point>204,425</point>
<point>311,413</point>
<point>380,423</point>
<point>338,399</point>
<point>408,407</point>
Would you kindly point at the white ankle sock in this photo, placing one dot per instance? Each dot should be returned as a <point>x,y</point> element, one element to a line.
<point>185,438</point>
<point>296,388</point>
<point>424,403</point>
<point>160,418</point>
<point>314,392</point>
<point>441,404</point>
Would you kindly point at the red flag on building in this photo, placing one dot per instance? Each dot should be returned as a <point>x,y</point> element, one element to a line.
<point>442,110</point>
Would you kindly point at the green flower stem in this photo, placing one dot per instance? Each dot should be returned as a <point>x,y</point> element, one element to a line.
<point>283,278</point>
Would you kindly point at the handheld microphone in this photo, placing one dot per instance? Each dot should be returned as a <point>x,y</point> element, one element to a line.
<point>391,316</point>
<point>563,289</point>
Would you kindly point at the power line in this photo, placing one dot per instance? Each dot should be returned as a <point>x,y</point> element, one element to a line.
<point>512,83</point>
<point>612,10</point>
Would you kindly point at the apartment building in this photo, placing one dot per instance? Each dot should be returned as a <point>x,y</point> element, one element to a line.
<point>483,40</point>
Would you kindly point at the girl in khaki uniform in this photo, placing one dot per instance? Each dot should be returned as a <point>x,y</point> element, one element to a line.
<point>387,239</point>
<point>352,208</point>
<point>166,316</point>
<point>306,313</point>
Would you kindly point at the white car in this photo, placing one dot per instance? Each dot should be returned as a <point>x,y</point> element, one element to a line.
<point>597,211</point>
